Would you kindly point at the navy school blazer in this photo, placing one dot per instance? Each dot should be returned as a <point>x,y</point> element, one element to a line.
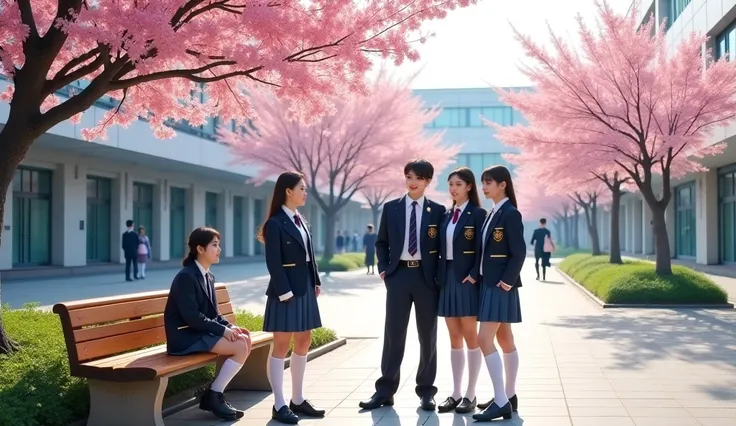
<point>392,230</point>
<point>505,248</point>
<point>286,257</point>
<point>464,243</point>
<point>190,313</point>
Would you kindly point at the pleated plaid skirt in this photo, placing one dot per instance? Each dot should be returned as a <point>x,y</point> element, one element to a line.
<point>299,314</point>
<point>458,299</point>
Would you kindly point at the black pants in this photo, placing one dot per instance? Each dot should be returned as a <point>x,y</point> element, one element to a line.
<point>128,261</point>
<point>404,287</point>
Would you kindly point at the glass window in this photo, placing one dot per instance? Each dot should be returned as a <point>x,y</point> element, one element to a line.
<point>685,236</point>
<point>676,8</point>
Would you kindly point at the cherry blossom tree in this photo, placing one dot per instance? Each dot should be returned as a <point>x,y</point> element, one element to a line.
<point>625,104</point>
<point>367,140</point>
<point>380,190</point>
<point>154,57</point>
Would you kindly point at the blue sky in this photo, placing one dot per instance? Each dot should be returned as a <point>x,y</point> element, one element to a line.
<point>475,46</point>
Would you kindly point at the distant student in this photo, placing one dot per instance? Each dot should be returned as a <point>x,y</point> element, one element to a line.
<point>369,248</point>
<point>543,247</point>
<point>501,258</point>
<point>193,324</point>
<point>458,280</point>
<point>291,306</point>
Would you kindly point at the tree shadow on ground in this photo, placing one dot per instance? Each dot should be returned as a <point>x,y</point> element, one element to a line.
<point>641,335</point>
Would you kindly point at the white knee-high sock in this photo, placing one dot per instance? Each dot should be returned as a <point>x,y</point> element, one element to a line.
<point>142,269</point>
<point>229,369</point>
<point>276,379</point>
<point>475,360</point>
<point>457,359</point>
<point>495,369</point>
<point>298,366</point>
<point>511,365</point>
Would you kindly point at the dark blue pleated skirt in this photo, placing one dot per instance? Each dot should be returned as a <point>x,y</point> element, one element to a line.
<point>499,305</point>
<point>203,344</point>
<point>458,299</point>
<point>300,314</point>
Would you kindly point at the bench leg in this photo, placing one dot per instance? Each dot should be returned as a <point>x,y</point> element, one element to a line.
<point>254,374</point>
<point>126,404</point>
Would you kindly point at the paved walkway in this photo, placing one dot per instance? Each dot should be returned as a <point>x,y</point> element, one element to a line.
<point>580,365</point>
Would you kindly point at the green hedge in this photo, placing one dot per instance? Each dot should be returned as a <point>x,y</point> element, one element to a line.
<point>563,251</point>
<point>636,282</point>
<point>35,386</point>
<point>343,262</point>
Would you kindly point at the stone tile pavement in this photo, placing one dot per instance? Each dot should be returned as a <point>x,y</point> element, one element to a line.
<point>580,365</point>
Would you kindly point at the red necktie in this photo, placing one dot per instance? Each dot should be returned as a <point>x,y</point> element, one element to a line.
<point>455,215</point>
<point>297,221</point>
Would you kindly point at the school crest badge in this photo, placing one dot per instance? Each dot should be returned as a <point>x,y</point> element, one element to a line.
<point>469,233</point>
<point>432,232</point>
<point>498,235</point>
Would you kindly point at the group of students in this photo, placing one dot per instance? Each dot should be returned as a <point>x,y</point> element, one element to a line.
<point>462,264</point>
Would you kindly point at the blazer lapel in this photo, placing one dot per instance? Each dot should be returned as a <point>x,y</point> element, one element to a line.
<point>461,221</point>
<point>494,221</point>
<point>401,218</point>
<point>291,228</point>
<point>203,284</point>
<point>425,221</point>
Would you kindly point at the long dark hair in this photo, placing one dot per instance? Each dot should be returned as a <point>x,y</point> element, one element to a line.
<point>286,180</point>
<point>466,175</point>
<point>500,174</point>
<point>201,236</point>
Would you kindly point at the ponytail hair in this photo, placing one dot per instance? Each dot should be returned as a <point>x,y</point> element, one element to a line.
<point>199,237</point>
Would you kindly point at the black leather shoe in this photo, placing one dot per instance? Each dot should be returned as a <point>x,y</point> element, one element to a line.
<point>494,412</point>
<point>427,403</point>
<point>513,400</point>
<point>215,402</point>
<point>307,409</point>
<point>376,401</point>
<point>284,415</point>
<point>448,405</point>
<point>466,406</point>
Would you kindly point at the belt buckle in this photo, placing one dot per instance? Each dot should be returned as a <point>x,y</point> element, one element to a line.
<point>412,263</point>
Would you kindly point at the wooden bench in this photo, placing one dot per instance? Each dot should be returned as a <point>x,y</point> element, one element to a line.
<point>116,344</point>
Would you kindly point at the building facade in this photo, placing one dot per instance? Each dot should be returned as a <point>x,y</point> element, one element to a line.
<point>70,198</point>
<point>461,120</point>
<point>701,217</point>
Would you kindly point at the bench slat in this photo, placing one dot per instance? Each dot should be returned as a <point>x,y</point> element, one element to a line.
<point>220,288</point>
<point>140,333</point>
<point>116,312</point>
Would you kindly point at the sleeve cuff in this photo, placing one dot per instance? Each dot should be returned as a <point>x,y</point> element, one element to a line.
<point>286,296</point>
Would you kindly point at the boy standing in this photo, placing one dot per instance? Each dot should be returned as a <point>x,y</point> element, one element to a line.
<point>407,247</point>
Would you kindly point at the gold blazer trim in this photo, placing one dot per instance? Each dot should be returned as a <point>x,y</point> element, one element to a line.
<point>499,255</point>
<point>289,265</point>
<point>433,252</point>
<point>182,327</point>
<point>468,252</point>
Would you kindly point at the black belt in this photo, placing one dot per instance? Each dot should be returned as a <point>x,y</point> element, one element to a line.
<point>410,263</point>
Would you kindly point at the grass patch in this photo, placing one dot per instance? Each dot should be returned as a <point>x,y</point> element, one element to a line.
<point>563,251</point>
<point>636,282</point>
<point>343,262</point>
<point>35,386</point>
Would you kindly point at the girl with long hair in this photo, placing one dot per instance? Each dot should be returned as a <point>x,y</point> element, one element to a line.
<point>194,325</point>
<point>291,306</point>
<point>501,255</point>
<point>457,277</point>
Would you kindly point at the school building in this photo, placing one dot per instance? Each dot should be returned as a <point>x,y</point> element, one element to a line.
<point>66,209</point>
<point>701,217</point>
<point>461,120</point>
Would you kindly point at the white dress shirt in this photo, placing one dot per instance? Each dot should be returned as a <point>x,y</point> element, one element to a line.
<point>486,225</point>
<point>450,234</point>
<point>408,205</point>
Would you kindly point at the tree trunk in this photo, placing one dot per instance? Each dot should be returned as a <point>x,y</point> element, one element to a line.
<point>575,236</point>
<point>376,211</point>
<point>566,227</point>
<point>14,143</point>
<point>661,242</point>
<point>615,252</point>
<point>591,217</point>
<point>329,253</point>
